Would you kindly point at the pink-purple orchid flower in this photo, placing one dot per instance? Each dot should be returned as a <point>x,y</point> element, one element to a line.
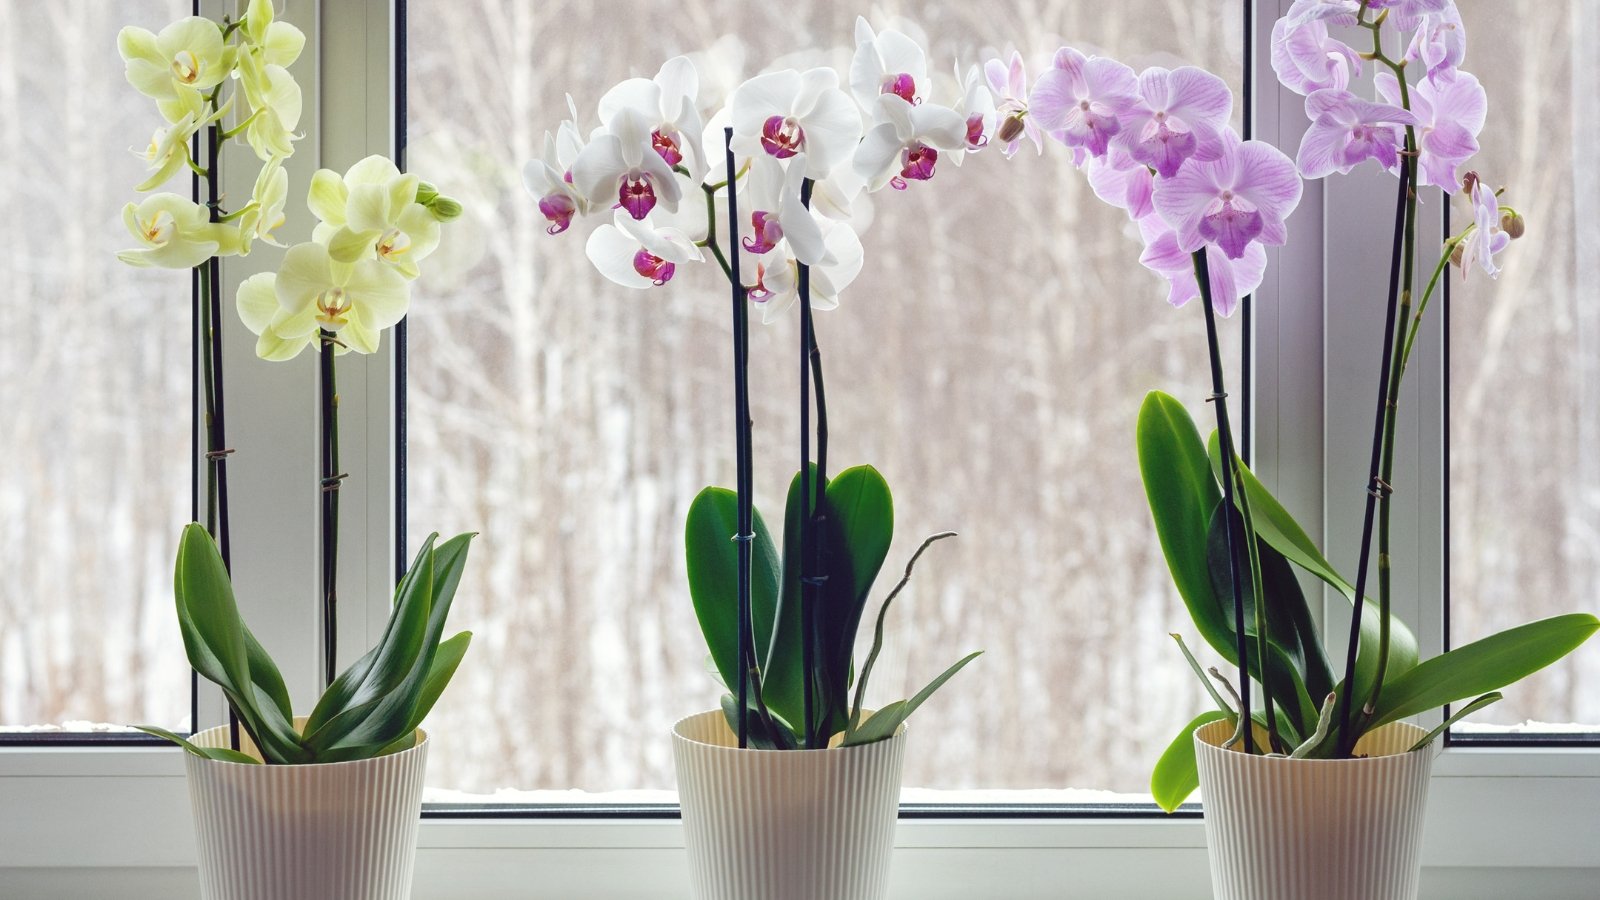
<point>1450,115</point>
<point>1081,100</point>
<point>1176,115</point>
<point>1242,197</point>
<point>1009,83</point>
<point>1347,131</point>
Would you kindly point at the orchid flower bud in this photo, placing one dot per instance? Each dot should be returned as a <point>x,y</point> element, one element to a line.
<point>1456,255</point>
<point>1511,223</point>
<point>444,208</point>
<point>426,193</point>
<point>1011,128</point>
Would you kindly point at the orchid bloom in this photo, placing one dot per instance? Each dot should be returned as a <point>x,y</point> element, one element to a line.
<point>353,301</point>
<point>1346,131</point>
<point>977,107</point>
<point>1339,12</point>
<point>372,213</point>
<point>275,104</point>
<point>1242,197</point>
<point>548,179</point>
<point>1450,114</point>
<point>265,215</point>
<point>168,152</point>
<point>667,105</point>
<point>1231,279</point>
<point>776,213</point>
<point>773,279</point>
<point>174,233</point>
<point>278,43</point>
<point>1080,101</point>
<point>1009,81</point>
<point>173,68</point>
<point>1123,182</point>
<point>280,334</point>
<point>787,113</point>
<point>1440,43</point>
<point>1406,14</point>
<point>623,162</point>
<point>636,254</point>
<point>904,141</point>
<point>886,62</point>
<point>1485,238</point>
<point>1178,114</point>
<point>1307,59</point>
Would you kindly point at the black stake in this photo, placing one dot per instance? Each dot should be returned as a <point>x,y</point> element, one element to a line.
<point>331,479</point>
<point>1219,396</point>
<point>741,419</point>
<point>808,507</point>
<point>1375,485</point>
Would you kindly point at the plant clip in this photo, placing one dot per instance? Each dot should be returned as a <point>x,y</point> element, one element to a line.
<point>1380,488</point>
<point>1217,395</point>
<point>219,454</point>
<point>817,580</point>
<point>743,538</point>
<point>331,483</point>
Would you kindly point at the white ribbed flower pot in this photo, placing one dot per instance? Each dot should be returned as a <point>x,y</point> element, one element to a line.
<point>334,830</point>
<point>785,824</point>
<point>1315,829</point>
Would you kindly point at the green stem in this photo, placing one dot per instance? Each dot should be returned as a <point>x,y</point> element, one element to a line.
<point>238,129</point>
<point>1242,498</point>
<point>1422,307</point>
<point>711,230</point>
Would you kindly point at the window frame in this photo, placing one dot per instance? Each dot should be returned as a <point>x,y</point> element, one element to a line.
<point>100,809</point>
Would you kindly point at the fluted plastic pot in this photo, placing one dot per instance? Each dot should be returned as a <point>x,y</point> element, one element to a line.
<point>1314,829</point>
<point>785,824</point>
<point>344,830</point>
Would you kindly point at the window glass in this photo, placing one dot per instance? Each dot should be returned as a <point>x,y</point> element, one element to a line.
<point>94,385</point>
<point>1525,360</point>
<point>990,361</point>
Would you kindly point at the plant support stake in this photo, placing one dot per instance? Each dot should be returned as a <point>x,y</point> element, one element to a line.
<point>808,511</point>
<point>741,419</point>
<point>331,479</point>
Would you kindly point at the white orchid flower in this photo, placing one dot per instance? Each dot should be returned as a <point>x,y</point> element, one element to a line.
<point>371,212</point>
<point>280,334</point>
<point>621,161</point>
<point>168,152</point>
<point>783,114</point>
<point>354,301</point>
<point>174,233</point>
<point>978,108</point>
<point>776,214</point>
<point>773,279</point>
<point>265,214</point>
<point>278,43</point>
<point>907,138</point>
<point>548,179</point>
<point>174,67</point>
<point>667,103</point>
<point>275,106</point>
<point>886,62</point>
<point>635,253</point>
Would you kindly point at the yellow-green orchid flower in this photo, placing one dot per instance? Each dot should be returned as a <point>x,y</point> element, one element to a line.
<point>174,233</point>
<point>280,334</point>
<point>265,215</point>
<point>275,104</point>
<point>278,43</point>
<point>176,66</point>
<point>371,213</point>
<point>354,301</point>
<point>168,152</point>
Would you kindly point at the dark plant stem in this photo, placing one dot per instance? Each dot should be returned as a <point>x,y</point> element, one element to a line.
<point>1377,486</point>
<point>1219,396</point>
<point>331,480</point>
<point>741,419</point>
<point>810,493</point>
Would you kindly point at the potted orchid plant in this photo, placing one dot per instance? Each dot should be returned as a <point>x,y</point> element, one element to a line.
<point>328,802</point>
<point>1315,788</point>
<point>765,188</point>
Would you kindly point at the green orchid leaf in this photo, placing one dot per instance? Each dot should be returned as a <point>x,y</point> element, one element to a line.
<point>856,533</point>
<point>213,631</point>
<point>762,734</point>
<point>266,677</point>
<point>1177,774</point>
<point>1486,700</point>
<point>1482,666</point>
<point>383,667</point>
<point>1277,527</point>
<point>1183,495</point>
<point>885,722</point>
<point>445,662</point>
<point>712,557</point>
<point>221,753</point>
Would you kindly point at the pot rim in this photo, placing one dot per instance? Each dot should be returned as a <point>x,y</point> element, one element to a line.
<point>899,736</point>
<point>1417,733</point>
<point>422,740</point>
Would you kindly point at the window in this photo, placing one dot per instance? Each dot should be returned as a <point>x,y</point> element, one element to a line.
<point>94,381</point>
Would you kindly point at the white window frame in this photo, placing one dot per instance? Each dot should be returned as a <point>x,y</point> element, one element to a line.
<point>91,820</point>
